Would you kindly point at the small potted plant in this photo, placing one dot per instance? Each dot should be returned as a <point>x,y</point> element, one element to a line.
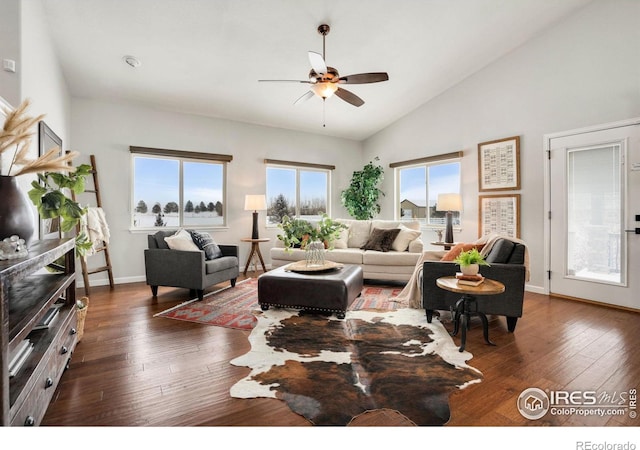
<point>470,261</point>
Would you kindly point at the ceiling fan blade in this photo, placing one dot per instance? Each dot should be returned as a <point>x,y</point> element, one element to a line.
<point>317,63</point>
<point>363,78</point>
<point>349,97</point>
<point>306,96</point>
<point>285,81</point>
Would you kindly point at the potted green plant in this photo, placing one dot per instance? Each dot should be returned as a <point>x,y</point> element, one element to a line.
<point>295,232</point>
<point>328,230</point>
<point>470,261</point>
<point>48,197</point>
<point>361,197</point>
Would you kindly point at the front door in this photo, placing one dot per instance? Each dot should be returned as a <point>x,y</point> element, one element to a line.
<point>594,198</point>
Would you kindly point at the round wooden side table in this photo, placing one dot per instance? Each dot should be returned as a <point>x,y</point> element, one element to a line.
<point>467,305</point>
<point>255,251</point>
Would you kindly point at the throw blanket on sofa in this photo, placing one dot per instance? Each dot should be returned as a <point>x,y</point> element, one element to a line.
<point>411,295</point>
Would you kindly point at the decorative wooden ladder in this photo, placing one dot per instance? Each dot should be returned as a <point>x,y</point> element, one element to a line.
<point>104,248</point>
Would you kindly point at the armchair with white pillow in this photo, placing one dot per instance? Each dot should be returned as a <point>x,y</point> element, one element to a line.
<point>188,259</point>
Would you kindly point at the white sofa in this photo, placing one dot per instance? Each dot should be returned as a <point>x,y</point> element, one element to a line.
<point>395,264</point>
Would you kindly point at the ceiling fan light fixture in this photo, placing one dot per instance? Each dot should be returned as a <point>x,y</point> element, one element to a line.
<point>324,89</point>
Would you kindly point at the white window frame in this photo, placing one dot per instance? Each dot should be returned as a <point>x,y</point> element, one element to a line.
<point>299,167</point>
<point>181,157</point>
<point>448,158</point>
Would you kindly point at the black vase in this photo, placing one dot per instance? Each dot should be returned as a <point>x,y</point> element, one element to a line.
<point>16,215</point>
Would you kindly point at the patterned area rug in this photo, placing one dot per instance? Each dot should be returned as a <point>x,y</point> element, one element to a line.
<point>331,371</point>
<point>236,307</point>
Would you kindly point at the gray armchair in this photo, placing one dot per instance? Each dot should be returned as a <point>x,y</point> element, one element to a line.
<point>185,269</point>
<point>507,266</point>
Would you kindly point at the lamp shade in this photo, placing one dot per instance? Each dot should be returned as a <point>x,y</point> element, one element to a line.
<point>255,202</point>
<point>449,202</point>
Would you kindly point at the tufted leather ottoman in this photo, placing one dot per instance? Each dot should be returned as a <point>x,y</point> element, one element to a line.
<point>331,291</point>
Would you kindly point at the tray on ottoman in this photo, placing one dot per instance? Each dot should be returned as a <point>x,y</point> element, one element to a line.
<point>330,291</point>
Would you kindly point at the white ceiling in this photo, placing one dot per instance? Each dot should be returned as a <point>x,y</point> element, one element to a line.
<point>205,56</point>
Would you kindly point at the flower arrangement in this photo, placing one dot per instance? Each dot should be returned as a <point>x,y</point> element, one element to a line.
<point>16,134</point>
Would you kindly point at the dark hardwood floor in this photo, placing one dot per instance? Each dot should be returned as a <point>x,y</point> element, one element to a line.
<point>132,369</point>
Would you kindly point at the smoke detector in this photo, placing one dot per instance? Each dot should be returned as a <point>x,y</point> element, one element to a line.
<point>132,61</point>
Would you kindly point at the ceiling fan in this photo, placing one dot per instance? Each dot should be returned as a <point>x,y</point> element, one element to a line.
<point>325,80</point>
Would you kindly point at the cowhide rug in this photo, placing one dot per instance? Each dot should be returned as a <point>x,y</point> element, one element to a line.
<point>330,370</point>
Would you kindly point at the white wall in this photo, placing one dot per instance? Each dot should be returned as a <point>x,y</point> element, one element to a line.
<point>41,76</point>
<point>25,38</point>
<point>10,49</point>
<point>583,71</point>
<point>108,129</point>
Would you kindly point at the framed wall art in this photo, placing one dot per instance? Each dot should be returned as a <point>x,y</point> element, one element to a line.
<point>499,214</point>
<point>47,139</point>
<point>499,164</point>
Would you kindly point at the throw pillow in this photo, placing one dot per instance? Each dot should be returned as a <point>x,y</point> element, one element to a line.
<point>381,240</point>
<point>459,248</point>
<point>181,240</point>
<point>405,236</point>
<point>205,242</point>
<point>359,231</point>
<point>342,240</point>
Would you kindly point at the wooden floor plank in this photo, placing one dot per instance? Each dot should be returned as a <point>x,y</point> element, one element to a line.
<point>132,369</point>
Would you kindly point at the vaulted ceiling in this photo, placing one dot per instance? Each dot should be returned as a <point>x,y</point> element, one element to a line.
<point>205,57</point>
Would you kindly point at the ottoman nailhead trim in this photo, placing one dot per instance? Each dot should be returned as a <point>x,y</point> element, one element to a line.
<point>302,307</point>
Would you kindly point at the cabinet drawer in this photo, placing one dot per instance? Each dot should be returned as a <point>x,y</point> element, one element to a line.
<point>42,385</point>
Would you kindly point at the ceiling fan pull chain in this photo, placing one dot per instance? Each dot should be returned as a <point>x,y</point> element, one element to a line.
<point>324,121</point>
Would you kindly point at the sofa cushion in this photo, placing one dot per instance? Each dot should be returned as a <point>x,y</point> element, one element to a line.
<point>220,264</point>
<point>345,256</point>
<point>342,241</point>
<point>181,240</point>
<point>205,242</point>
<point>390,258</point>
<point>158,238</point>
<point>501,251</point>
<point>381,240</point>
<point>359,231</point>
<point>404,238</point>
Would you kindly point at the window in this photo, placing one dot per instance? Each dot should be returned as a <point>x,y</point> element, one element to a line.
<point>297,190</point>
<point>418,184</point>
<point>174,189</point>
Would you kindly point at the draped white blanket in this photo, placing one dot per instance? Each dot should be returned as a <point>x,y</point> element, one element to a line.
<point>94,224</point>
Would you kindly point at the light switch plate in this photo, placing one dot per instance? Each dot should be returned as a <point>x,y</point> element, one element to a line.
<point>9,65</point>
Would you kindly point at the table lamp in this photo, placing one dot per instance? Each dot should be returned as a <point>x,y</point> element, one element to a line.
<point>255,203</point>
<point>449,203</point>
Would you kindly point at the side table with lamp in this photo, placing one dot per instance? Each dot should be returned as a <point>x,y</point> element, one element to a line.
<point>255,203</point>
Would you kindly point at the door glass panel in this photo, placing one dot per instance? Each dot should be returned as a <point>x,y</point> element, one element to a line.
<point>595,250</point>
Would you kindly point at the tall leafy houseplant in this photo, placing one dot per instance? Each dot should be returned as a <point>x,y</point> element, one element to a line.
<point>361,197</point>
<point>48,197</point>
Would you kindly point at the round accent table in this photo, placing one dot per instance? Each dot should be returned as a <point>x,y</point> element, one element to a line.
<point>467,305</point>
<point>255,251</point>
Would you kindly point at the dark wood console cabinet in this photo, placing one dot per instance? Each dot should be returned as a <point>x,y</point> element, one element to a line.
<point>28,288</point>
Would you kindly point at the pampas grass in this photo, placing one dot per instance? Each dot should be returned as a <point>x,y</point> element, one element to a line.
<point>16,133</point>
